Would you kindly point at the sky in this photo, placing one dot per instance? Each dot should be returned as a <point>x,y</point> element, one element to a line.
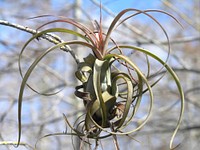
<point>141,4</point>
<point>116,5</point>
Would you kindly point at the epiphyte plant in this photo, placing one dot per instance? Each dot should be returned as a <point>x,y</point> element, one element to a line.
<point>111,96</point>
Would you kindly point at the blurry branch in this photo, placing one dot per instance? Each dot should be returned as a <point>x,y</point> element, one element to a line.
<point>115,141</point>
<point>5,113</point>
<point>194,71</point>
<point>192,90</point>
<point>49,37</point>
<point>51,121</point>
<point>173,41</point>
<point>13,143</point>
<point>2,139</point>
<point>194,103</point>
<point>166,127</point>
<point>197,71</point>
<point>188,128</point>
<point>183,40</point>
<point>181,14</point>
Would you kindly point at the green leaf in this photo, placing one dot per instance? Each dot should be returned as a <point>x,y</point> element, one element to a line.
<point>140,77</point>
<point>128,81</point>
<point>29,71</point>
<point>97,71</point>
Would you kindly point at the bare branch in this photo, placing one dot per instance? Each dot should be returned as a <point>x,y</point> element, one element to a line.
<point>189,70</point>
<point>187,128</point>
<point>49,37</point>
<point>13,143</point>
<point>173,41</point>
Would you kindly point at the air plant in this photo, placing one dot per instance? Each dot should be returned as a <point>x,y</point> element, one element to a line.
<point>111,96</point>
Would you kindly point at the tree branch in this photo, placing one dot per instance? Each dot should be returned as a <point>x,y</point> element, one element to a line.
<point>49,37</point>
<point>185,17</point>
<point>173,41</point>
<point>184,129</point>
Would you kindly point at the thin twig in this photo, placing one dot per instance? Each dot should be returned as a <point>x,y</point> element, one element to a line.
<point>96,145</point>
<point>115,138</point>
<point>49,37</point>
<point>13,143</point>
<point>173,41</point>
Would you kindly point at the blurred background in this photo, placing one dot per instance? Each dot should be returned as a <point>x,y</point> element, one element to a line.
<point>42,115</point>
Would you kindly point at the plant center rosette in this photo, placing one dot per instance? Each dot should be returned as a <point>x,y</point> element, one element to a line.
<point>99,91</point>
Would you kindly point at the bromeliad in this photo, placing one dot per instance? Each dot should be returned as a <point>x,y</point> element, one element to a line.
<point>111,95</point>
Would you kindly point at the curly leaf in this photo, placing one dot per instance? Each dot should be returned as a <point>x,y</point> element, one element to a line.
<point>28,73</point>
<point>97,71</point>
<point>176,79</point>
